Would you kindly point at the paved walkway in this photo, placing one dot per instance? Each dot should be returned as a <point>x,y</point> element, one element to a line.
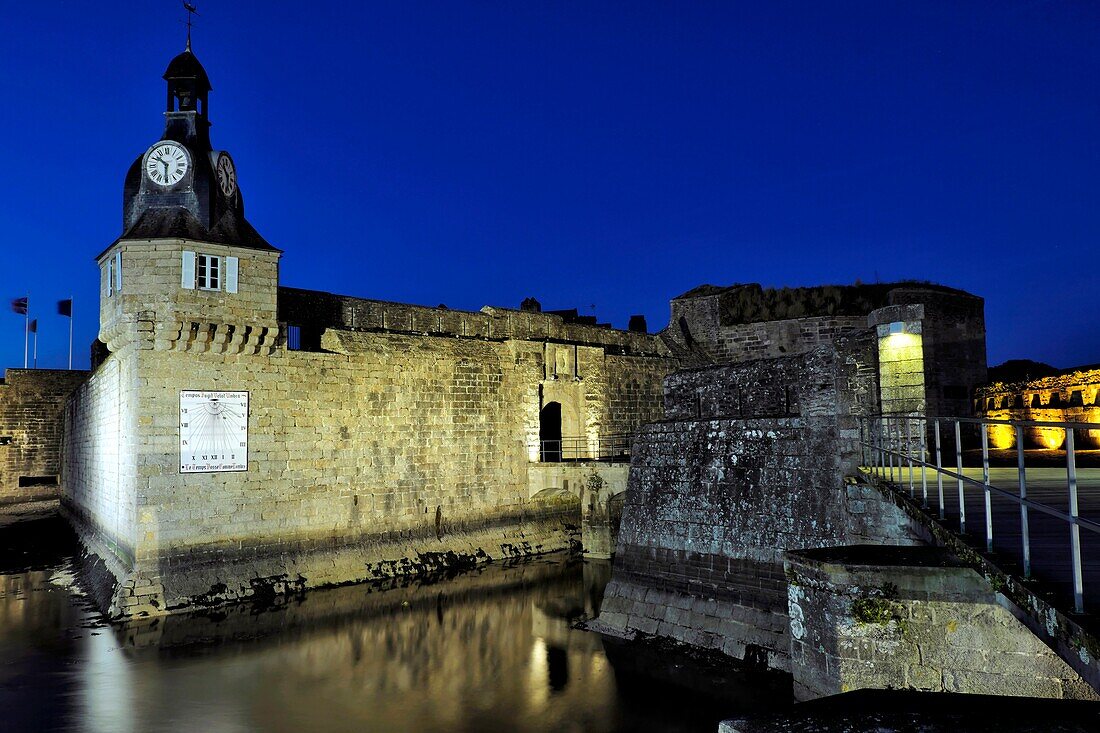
<point>28,510</point>
<point>1049,536</point>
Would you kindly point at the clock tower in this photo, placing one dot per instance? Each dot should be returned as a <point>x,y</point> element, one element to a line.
<point>188,272</point>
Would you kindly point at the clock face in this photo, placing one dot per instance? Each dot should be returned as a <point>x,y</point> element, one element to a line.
<point>213,431</point>
<point>166,163</point>
<point>227,174</point>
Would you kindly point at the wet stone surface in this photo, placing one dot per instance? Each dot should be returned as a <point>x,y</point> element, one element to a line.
<point>886,711</point>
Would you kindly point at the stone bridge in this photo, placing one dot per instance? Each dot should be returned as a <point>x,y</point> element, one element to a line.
<point>599,484</point>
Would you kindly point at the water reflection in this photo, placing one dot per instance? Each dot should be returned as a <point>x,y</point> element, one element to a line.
<point>490,650</point>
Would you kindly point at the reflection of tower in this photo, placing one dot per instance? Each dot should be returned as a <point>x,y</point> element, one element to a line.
<point>557,668</point>
<point>597,574</point>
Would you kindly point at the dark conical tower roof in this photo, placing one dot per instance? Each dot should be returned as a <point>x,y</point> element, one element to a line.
<point>187,66</point>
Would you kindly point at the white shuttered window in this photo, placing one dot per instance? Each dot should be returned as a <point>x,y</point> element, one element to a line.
<point>210,272</point>
<point>231,266</point>
<point>188,279</point>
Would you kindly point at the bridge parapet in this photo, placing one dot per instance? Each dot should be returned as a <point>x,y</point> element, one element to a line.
<point>1019,527</point>
<point>911,618</point>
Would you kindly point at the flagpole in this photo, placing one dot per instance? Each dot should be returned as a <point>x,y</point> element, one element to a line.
<point>70,333</point>
<point>35,346</point>
<point>26,331</point>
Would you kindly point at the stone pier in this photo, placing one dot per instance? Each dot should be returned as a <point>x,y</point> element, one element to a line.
<point>911,618</point>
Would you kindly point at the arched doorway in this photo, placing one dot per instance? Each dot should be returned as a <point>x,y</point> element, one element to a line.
<point>550,433</point>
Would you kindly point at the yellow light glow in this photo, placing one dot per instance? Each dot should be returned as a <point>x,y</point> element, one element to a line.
<point>1001,436</point>
<point>901,340</point>
<point>1091,439</point>
<point>1049,438</point>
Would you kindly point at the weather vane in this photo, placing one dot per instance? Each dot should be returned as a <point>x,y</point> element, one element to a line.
<point>191,11</point>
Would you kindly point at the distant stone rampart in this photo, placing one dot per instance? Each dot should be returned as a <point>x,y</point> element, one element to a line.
<point>946,329</point>
<point>315,311</point>
<point>31,405</point>
<point>1071,396</point>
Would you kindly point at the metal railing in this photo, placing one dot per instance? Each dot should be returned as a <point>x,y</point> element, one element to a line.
<point>906,448</point>
<point>604,448</point>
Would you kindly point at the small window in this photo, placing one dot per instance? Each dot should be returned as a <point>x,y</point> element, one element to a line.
<point>26,481</point>
<point>110,277</point>
<point>294,338</point>
<point>5,439</point>
<point>209,272</point>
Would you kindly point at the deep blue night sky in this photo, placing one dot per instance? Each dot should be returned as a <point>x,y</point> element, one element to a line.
<point>609,154</point>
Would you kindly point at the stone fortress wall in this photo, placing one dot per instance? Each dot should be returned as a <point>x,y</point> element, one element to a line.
<point>1071,395</point>
<point>396,440</point>
<point>754,470</point>
<point>315,311</point>
<point>622,370</point>
<point>750,462</point>
<point>943,330</point>
<point>32,403</point>
<point>755,454</point>
<point>387,438</point>
<point>144,303</point>
<point>932,364</point>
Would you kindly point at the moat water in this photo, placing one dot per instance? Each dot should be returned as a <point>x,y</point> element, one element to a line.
<point>490,650</point>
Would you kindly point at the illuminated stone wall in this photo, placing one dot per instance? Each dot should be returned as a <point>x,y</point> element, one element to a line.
<point>31,405</point>
<point>1072,396</point>
<point>380,452</point>
<point>153,307</point>
<point>600,486</point>
<point>945,359</point>
<point>953,342</point>
<point>316,310</point>
<point>931,352</point>
<point>98,480</point>
<point>635,396</point>
<point>901,368</point>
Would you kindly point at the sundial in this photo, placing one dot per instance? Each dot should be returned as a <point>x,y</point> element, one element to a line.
<point>213,431</point>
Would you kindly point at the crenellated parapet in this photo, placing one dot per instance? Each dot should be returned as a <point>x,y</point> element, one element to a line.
<point>146,331</point>
<point>1073,388</point>
<point>1073,395</point>
<point>187,295</point>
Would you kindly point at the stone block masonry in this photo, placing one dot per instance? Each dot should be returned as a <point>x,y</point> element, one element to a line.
<point>315,311</point>
<point>715,501</point>
<point>745,322</point>
<point>600,488</point>
<point>911,618</point>
<point>32,403</point>
<point>1071,395</point>
<point>380,454</point>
